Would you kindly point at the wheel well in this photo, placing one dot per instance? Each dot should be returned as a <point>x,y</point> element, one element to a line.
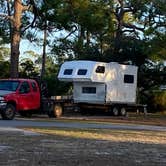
<point>12,102</point>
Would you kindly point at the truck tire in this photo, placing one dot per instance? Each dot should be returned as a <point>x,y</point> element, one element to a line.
<point>123,111</point>
<point>9,112</point>
<point>115,111</point>
<point>58,110</point>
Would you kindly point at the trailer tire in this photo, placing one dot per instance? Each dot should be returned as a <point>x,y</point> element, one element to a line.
<point>9,112</point>
<point>123,111</point>
<point>58,111</point>
<point>115,111</point>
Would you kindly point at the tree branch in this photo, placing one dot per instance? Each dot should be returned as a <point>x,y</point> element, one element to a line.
<point>131,26</point>
<point>26,7</point>
<point>75,28</point>
<point>128,30</point>
<point>33,8</point>
<point>6,17</point>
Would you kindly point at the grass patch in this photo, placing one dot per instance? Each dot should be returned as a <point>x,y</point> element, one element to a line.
<point>154,137</point>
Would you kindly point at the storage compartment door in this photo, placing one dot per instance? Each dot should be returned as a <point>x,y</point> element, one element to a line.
<point>89,92</point>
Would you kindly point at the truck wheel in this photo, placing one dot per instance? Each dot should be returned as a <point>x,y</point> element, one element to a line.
<point>123,111</point>
<point>9,112</point>
<point>115,111</point>
<point>57,111</point>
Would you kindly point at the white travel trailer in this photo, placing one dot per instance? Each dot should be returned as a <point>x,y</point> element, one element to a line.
<point>108,85</point>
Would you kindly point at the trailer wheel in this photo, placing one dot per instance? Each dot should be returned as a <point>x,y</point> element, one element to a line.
<point>57,111</point>
<point>115,111</point>
<point>9,112</point>
<point>123,111</point>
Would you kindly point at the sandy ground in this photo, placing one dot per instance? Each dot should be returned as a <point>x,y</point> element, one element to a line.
<point>19,149</point>
<point>70,147</point>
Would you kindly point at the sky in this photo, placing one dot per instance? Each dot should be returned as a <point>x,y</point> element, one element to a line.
<point>25,45</point>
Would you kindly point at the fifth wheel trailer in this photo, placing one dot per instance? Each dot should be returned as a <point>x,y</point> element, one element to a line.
<point>109,86</point>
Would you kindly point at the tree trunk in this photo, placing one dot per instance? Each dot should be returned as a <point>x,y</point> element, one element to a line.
<point>44,50</point>
<point>80,43</point>
<point>15,38</point>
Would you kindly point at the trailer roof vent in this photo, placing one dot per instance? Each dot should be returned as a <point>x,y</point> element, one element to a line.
<point>82,72</point>
<point>68,71</point>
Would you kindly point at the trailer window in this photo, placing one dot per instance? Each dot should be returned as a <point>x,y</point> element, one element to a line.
<point>82,72</point>
<point>128,79</point>
<point>89,90</point>
<point>68,72</point>
<point>100,69</point>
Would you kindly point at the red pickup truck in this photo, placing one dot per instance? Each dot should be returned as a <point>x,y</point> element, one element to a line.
<point>26,97</point>
<point>18,95</point>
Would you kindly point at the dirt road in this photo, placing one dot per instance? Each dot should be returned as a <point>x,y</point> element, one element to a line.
<point>78,125</point>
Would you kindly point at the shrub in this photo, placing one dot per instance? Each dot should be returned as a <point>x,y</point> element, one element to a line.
<point>159,100</point>
<point>56,87</point>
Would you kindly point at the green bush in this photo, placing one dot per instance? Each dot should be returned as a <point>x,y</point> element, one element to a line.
<point>56,87</point>
<point>159,100</point>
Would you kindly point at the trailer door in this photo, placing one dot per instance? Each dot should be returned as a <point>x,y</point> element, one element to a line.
<point>89,92</point>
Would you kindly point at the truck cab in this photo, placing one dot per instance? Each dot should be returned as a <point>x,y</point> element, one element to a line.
<point>18,95</point>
